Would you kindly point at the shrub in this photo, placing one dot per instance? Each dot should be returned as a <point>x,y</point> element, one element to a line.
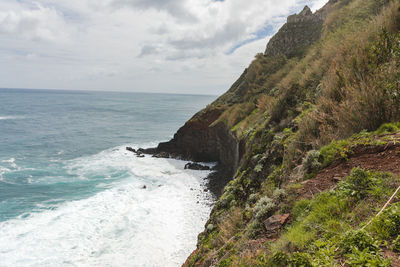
<point>358,184</point>
<point>311,161</point>
<point>253,198</point>
<point>387,225</point>
<point>279,194</point>
<point>359,240</point>
<point>388,128</point>
<point>300,259</point>
<point>396,244</point>
<point>263,208</point>
<point>279,259</point>
<point>366,258</point>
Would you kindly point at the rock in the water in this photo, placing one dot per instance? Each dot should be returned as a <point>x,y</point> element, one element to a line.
<point>131,149</point>
<point>196,166</point>
<point>144,187</point>
<point>147,150</point>
<point>140,156</point>
<point>274,223</point>
<point>163,155</point>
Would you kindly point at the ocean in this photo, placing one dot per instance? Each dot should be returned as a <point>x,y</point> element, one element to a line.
<point>70,193</point>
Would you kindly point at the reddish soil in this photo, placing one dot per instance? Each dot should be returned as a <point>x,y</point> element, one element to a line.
<point>379,158</point>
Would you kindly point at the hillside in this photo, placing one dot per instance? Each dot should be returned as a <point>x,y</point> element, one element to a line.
<point>309,139</point>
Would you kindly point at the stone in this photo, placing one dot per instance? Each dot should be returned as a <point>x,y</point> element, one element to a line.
<point>131,149</point>
<point>196,166</point>
<point>274,223</point>
<point>164,155</point>
<point>150,151</point>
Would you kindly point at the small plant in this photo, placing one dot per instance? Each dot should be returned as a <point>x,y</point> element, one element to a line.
<point>279,259</point>
<point>279,194</point>
<point>258,168</point>
<point>311,161</point>
<point>300,259</point>
<point>388,128</point>
<point>396,244</point>
<point>359,240</point>
<point>366,258</point>
<point>387,225</point>
<point>210,227</point>
<point>358,184</point>
<point>253,198</point>
<point>263,208</point>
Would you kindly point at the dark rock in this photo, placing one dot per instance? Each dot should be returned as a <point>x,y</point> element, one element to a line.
<point>164,155</point>
<point>274,223</point>
<point>150,151</point>
<point>140,156</point>
<point>202,141</point>
<point>131,149</point>
<point>144,187</point>
<point>196,166</point>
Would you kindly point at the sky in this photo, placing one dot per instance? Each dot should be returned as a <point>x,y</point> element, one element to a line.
<point>168,46</point>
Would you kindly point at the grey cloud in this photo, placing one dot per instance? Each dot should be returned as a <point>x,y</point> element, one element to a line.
<point>198,46</point>
<point>148,50</point>
<point>230,32</point>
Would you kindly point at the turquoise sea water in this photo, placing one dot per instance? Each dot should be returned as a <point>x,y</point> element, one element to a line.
<point>71,195</point>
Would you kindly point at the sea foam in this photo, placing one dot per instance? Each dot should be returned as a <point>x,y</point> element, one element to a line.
<point>124,224</point>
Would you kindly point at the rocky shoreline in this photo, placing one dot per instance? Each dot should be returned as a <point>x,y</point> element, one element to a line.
<point>216,180</point>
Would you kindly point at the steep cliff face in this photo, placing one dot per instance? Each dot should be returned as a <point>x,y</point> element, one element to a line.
<point>200,140</point>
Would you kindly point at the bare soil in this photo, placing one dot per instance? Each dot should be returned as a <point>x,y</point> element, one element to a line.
<point>379,158</point>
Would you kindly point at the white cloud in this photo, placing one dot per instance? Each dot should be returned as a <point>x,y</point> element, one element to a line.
<point>186,46</point>
<point>37,23</point>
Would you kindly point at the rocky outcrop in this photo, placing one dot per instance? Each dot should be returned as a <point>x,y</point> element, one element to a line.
<point>203,140</point>
<point>196,166</point>
<point>300,31</point>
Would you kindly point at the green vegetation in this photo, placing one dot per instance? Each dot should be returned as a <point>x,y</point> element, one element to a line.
<point>298,117</point>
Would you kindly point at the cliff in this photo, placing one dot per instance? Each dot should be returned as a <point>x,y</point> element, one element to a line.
<point>311,132</point>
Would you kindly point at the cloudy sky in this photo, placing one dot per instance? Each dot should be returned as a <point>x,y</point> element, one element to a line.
<point>173,46</point>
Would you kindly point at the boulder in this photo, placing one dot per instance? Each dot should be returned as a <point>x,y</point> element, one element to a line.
<point>163,155</point>
<point>131,149</point>
<point>196,166</point>
<point>150,151</point>
<point>274,223</point>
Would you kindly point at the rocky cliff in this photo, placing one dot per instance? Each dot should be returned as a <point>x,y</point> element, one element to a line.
<point>300,31</point>
<point>207,137</point>
<point>311,129</point>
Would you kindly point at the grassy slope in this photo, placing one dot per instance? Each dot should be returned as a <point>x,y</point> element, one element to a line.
<point>291,114</point>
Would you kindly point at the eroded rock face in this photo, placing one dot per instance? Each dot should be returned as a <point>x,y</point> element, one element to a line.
<point>300,31</point>
<point>202,141</point>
